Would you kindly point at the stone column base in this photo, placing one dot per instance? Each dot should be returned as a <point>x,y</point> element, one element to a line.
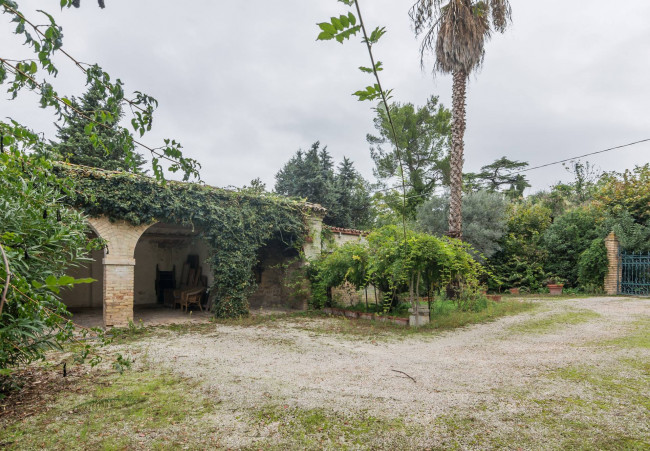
<point>420,318</point>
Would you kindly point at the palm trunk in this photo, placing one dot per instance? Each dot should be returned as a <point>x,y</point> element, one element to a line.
<point>456,157</point>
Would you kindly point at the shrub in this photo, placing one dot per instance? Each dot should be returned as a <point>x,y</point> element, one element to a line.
<point>592,266</point>
<point>420,264</point>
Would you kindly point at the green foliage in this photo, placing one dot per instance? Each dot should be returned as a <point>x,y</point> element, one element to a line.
<point>421,264</point>
<point>629,192</point>
<point>42,239</point>
<point>493,178</point>
<point>592,265</point>
<point>566,239</point>
<point>423,136</point>
<point>235,225</point>
<point>43,41</point>
<point>110,148</point>
<point>520,262</point>
<point>310,175</point>
<point>484,219</point>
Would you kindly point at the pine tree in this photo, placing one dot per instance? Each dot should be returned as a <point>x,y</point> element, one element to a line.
<point>109,152</point>
<point>345,193</point>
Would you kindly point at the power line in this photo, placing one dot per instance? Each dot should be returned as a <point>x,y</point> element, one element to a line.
<point>15,70</point>
<point>547,164</point>
<point>580,156</point>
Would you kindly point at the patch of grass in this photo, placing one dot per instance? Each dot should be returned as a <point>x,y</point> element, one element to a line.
<point>272,320</point>
<point>554,321</point>
<point>296,428</point>
<point>639,337</point>
<point>441,321</point>
<point>580,407</point>
<point>111,412</point>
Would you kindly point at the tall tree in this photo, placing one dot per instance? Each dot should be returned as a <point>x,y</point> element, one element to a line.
<point>500,176</point>
<point>109,149</point>
<point>423,136</point>
<point>456,31</point>
<point>344,193</point>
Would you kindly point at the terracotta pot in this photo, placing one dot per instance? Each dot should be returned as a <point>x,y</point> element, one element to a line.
<point>555,289</point>
<point>514,290</point>
<point>494,297</point>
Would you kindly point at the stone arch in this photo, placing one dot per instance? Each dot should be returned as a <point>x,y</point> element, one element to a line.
<point>166,247</point>
<point>118,262</point>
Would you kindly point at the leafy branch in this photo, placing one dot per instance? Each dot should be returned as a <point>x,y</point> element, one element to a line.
<point>344,27</point>
<point>45,44</point>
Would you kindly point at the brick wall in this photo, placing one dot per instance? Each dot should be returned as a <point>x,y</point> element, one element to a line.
<point>612,277</point>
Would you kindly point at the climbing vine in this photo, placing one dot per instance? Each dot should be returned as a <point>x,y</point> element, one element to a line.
<point>234,224</point>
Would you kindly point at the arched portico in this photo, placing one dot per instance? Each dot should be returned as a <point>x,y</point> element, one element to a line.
<point>119,268</point>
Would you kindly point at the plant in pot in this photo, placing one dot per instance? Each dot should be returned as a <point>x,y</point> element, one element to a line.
<point>555,285</point>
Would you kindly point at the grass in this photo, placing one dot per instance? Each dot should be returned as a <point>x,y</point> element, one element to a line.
<point>110,411</point>
<point>639,336</point>
<point>555,321</point>
<point>577,407</point>
<point>322,429</point>
<point>442,320</point>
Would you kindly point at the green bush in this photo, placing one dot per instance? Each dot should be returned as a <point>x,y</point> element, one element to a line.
<point>42,239</point>
<point>420,265</point>
<point>565,241</point>
<point>592,266</point>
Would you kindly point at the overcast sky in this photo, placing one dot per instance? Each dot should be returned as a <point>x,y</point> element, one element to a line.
<point>243,85</point>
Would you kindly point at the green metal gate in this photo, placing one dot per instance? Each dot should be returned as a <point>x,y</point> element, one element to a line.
<point>634,273</point>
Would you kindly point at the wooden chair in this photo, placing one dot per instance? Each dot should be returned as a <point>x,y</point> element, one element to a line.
<point>192,297</point>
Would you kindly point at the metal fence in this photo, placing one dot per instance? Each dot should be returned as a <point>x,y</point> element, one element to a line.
<point>634,273</point>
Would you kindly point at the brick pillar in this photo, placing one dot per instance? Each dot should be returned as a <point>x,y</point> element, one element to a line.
<point>613,274</point>
<point>118,291</point>
<point>119,268</point>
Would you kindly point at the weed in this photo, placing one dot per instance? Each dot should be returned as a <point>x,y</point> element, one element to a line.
<point>554,321</point>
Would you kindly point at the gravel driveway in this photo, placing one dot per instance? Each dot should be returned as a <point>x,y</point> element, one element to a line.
<point>493,373</point>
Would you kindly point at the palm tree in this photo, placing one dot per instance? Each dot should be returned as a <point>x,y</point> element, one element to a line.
<point>456,32</point>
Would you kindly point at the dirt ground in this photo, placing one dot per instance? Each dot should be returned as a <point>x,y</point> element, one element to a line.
<point>569,374</point>
<point>478,372</point>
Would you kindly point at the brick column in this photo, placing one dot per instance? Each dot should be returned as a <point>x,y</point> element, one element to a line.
<point>119,268</point>
<point>118,291</point>
<point>612,277</point>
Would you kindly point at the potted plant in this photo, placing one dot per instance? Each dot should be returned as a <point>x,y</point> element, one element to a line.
<point>514,290</point>
<point>555,285</point>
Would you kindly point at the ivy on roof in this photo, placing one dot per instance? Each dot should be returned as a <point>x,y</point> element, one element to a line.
<point>234,224</point>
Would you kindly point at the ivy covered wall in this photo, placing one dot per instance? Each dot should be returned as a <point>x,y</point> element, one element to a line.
<point>235,224</point>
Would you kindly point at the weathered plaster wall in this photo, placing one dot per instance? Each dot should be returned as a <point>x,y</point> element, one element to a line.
<point>166,253</point>
<point>86,295</point>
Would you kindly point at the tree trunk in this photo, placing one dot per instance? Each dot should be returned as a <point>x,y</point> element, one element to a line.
<point>456,157</point>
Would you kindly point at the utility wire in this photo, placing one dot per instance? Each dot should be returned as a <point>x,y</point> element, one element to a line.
<point>580,156</point>
<point>16,70</point>
<point>77,63</point>
<point>543,165</point>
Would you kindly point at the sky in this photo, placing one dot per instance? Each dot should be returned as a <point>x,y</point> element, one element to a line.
<point>244,85</point>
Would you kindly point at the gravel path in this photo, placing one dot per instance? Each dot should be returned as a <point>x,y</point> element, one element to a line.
<point>294,363</point>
